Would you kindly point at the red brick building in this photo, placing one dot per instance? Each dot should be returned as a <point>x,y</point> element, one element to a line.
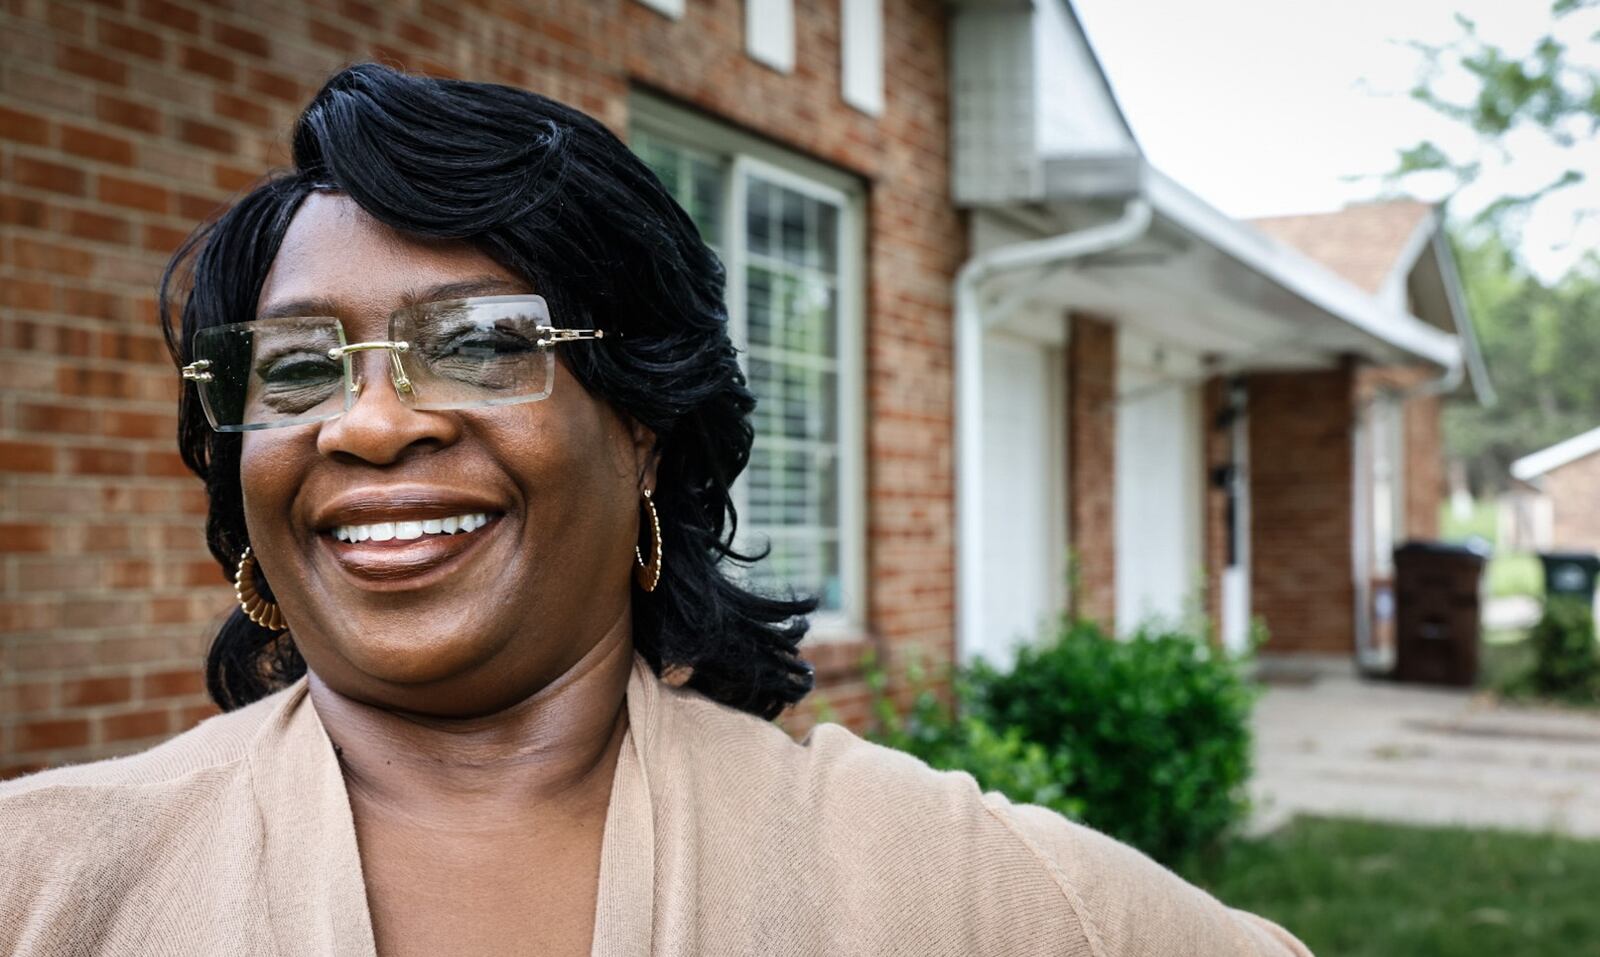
<point>1552,506</point>
<point>933,441</point>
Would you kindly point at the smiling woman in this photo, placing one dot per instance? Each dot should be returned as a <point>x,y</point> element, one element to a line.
<point>461,391</point>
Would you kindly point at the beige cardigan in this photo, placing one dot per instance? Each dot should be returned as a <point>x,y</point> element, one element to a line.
<point>723,836</point>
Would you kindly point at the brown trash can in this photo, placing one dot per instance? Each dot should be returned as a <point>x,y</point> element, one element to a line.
<point>1438,608</point>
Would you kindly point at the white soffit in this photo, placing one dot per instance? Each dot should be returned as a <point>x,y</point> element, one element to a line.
<point>672,8</point>
<point>861,54</point>
<point>1547,460</point>
<point>1300,276</point>
<point>769,33</point>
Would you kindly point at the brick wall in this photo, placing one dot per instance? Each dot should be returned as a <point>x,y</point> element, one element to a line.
<point>1091,464</point>
<point>124,122</point>
<point>1575,509</point>
<point>1300,503</point>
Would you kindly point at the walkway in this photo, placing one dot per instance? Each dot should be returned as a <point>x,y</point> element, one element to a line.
<point>1330,743</point>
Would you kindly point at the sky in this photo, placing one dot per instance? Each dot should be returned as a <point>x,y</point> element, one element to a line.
<point>1264,107</point>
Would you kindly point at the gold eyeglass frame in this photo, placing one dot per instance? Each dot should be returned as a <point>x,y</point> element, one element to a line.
<point>549,336</point>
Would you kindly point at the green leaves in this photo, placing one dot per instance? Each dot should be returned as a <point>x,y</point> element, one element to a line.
<point>1512,99</point>
<point>1146,739</point>
<point>1567,660</point>
<point>1542,347</point>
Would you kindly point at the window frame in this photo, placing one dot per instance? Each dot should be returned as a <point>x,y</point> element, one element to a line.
<point>742,155</point>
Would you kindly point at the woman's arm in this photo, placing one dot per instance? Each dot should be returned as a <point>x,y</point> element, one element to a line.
<point>1129,905</point>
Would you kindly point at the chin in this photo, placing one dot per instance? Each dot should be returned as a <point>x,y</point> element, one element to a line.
<point>414,653</point>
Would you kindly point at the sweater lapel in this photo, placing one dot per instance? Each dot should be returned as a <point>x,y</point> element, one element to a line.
<point>625,909</point>
<point>314,887</point>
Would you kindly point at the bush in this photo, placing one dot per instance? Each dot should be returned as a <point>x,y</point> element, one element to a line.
<point>1155,728</point>
<point>999,760</point>
<point>1566,660</point>
<point>1147,739</point>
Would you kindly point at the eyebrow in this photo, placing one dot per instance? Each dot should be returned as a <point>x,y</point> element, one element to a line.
<point>463,289</point>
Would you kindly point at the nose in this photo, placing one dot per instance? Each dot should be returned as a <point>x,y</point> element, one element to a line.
<point>378,428</point>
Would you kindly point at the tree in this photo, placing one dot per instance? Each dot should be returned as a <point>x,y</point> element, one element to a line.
<point>1540,340</point>
<point>1542,346</point>
<point>1547,98</point>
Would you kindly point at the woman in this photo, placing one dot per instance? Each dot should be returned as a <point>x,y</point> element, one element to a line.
<point>462,395</point>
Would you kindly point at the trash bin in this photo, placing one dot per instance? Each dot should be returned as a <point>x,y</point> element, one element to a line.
<point>1437,611</point>
<point>1570,574</point>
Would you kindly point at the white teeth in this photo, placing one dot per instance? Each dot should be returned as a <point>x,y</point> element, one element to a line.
<point>406,531</point>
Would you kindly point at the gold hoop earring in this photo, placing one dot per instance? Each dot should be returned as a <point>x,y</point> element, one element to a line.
<point>648,574</point>
<point>264,613</point>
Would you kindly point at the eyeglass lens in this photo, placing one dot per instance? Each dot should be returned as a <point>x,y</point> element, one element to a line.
<point>268,373</point>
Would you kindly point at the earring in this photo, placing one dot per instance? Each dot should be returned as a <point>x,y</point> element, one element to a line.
<point>264,613</point>
<point>648,575</point>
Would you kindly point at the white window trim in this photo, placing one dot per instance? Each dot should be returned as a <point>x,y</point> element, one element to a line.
<point>697,134</point>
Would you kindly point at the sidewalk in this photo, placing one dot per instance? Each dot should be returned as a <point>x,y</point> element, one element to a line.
<point>1330,743</point>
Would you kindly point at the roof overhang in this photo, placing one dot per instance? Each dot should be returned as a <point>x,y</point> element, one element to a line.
<point>1547,460</point>
<point>1210,284</point>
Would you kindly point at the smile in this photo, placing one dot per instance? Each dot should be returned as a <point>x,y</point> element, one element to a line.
<point>408,530</point>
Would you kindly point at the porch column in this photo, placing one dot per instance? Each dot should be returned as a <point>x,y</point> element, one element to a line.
<point>1091,464</point>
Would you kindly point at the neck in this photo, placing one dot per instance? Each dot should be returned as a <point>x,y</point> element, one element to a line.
<point>558,744</point>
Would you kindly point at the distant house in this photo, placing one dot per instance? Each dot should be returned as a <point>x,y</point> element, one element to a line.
<point>1399,253</point>
<point>1556,495</point>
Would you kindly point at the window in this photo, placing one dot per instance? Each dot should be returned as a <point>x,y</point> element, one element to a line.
<point>789,233</point>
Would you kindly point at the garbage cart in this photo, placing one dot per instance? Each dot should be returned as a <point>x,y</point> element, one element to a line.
<point>1570,574</point>
<point>1438,606</point>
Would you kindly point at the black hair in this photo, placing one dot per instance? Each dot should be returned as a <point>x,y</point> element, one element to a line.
<point>556,198</point>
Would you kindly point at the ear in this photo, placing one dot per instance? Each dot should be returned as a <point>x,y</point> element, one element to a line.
<point>646,453</point>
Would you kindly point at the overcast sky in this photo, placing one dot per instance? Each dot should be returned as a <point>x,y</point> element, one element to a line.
<point>1266,106</point>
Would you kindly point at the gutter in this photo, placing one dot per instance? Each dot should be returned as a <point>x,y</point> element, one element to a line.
<point>970,279</point>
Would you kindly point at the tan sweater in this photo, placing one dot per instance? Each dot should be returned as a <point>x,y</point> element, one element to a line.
<point>723,836</point>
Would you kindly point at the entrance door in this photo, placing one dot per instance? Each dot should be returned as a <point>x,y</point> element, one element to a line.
<point>1024,522</point>
<point>1159,495</point>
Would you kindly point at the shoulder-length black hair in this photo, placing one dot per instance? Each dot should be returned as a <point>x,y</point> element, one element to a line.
<point>555,197</point>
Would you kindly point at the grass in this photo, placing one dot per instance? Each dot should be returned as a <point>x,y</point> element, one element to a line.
<point>1503,659</point>
<point>1358,889</point>
<point>1515,574</point>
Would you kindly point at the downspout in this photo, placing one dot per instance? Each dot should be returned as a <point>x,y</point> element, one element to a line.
<point>970,279</point>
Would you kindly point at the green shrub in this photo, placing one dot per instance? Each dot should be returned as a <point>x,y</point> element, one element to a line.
<point>999,760</point>
<point>1155,729</point>
<point>1566,660</point>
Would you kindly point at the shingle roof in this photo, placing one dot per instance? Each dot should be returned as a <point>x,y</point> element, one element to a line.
<point>1362,243</point>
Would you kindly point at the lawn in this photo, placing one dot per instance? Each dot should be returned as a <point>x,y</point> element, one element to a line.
<point>1355,889</point>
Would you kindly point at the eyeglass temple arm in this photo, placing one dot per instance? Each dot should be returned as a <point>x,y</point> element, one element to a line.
<point>549,337</point>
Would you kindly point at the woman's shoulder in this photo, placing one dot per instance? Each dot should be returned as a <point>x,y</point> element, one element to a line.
<point>217,742</point>
<point>929,852</point>
<point>837,787</point>
<point>146,804</point>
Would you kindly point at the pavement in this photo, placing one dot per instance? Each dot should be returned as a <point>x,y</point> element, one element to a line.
<point>1331,743</point>
<point>1511,612</point>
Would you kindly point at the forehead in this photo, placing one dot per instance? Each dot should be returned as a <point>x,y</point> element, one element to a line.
<point>337,253</point>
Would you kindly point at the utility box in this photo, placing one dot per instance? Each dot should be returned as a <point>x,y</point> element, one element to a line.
<point>1438,611</point>
<point>1570,574</point>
